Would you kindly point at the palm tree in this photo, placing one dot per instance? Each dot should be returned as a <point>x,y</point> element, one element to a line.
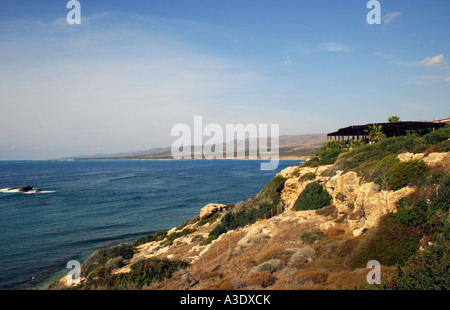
<point>393,119</point>
<point>376,133</point>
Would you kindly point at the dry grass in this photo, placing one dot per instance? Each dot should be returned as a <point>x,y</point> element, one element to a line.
<point>334,232</point>
<point>346,279</point>
<point>261,279</point>
<point>314,276</point>
<point>270,241</point>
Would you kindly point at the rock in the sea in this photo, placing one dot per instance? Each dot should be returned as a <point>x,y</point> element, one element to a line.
<point>26,188</point>
<point>209,210</point>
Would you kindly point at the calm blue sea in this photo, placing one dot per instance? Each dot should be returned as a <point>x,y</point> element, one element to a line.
<point>96,204</point>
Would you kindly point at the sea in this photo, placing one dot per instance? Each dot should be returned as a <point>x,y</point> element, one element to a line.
<point>87,205</point>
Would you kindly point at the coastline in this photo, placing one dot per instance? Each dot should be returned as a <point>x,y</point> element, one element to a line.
<point>300,158</point>
<point>272,241</point>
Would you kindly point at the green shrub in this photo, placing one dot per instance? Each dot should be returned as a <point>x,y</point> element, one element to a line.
<point>313,197</point>
<point>215,233</point>
<point>390,243</point>
<point>428,212</point>
<point>380,173</point>
<point>158,236</point>
<point>190,221</point>
<point>246,216</point>
<point>356,143</point>
<point>403,173</point>
<point>413,215</point>
<point>327,154</point>
<point>438,136</point>
<point>307,177</point>
<point>173,236</point>
<point>308,236</point>
<point>97,260</point>
<point>427,270</point>
<point>146,272</point>
<point>443,146</point>
<point>272,191</point>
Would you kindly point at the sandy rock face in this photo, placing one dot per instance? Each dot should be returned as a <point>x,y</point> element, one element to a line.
<point>209,210</point>
<point>364,201</point>
<point>347,184</point>
<point>294,185</point>
<point>435,159</point>
<point>405,156</point>
<point>291,191</point>
<point>431,159</point>
<point>371,203</point>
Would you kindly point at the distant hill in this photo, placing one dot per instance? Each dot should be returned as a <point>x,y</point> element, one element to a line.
<point>290,147</point>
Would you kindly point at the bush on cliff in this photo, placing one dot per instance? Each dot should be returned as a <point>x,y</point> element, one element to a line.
<point>327,154</point>
<point>428,209</point>
<point>173,236</point>
<point>427,270</point>
<point>98,259</point>
<point>390,243</point>
<point>148,271</point>
<point>158,236</point>
<point>313,197</point>
<point>405,173</point>
<point>143,273</point>
<point>272,191</point>
<point>427,212</point>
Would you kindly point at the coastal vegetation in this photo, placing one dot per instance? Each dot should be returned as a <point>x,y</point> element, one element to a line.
<point>313,197</point>
<point>142,274</point>
<point>327,154</point>
<point>366,160</point>
<point>265,202</point>
<point>103,260</point>
<point>318,249</point>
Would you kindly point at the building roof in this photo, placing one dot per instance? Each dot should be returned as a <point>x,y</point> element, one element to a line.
<point>444,120</point>
<point>390,129</point>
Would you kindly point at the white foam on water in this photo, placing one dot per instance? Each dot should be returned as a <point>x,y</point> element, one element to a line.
<point>16,190</point>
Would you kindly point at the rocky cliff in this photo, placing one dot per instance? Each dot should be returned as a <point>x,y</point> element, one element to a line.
<point>284,248</point>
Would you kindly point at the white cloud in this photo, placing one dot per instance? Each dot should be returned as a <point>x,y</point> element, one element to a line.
<point>447,79</point>
<point>389,17</point>
<point>420,83</point>
<point>435,61</point>
<point>335,47</point>
<point>288,61</point>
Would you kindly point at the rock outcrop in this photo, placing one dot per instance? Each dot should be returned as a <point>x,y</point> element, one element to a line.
<point>363,202</point>
<point>431,159</point>
<point>209,210</point>
<point>297,179</point>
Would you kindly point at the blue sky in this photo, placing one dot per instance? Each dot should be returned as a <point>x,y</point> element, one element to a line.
<point>133,69</point>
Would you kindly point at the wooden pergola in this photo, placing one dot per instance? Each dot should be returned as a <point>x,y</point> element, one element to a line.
<point>394,129</point>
